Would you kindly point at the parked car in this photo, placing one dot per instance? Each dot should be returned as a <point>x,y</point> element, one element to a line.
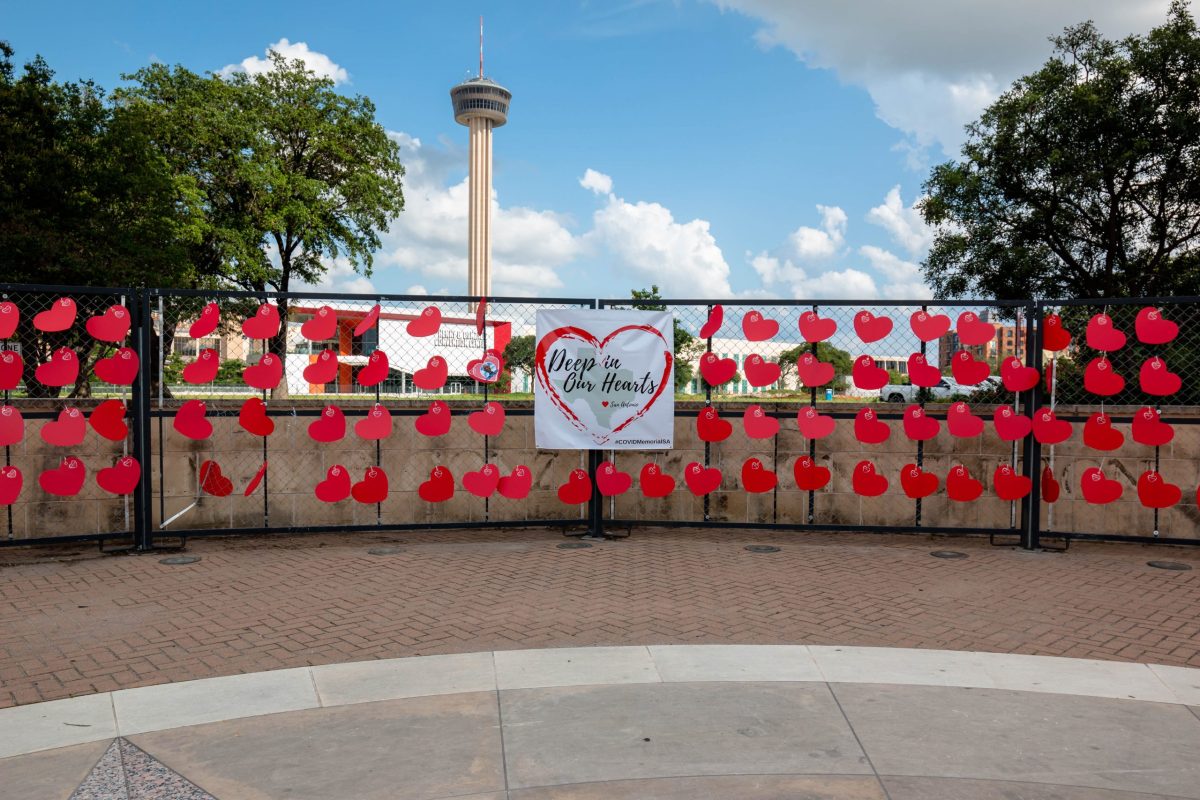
<point>945,389</point>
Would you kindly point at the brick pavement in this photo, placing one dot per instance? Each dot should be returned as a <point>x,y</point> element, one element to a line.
<point>75,623</point>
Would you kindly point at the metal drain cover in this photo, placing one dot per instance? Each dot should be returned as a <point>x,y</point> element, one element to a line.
<point>947,554</point>
<point>385,551</point>
<point>1175,565</point>
<point>761,548</point>
<point>176,560</point>
<point>572,545</point>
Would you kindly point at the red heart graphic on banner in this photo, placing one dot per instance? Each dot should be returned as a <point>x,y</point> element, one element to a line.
<point>373,488</point>
<point>967,370</point>
<point>654,482</point>
<point>700,480</point>
<point>11,481</point>
<point>716,370</point>
<point>12,425</point>
<point>757,328</point>
<point>264,324</point>
<point>108,420</point>
<point>813,424</point>
<point>1050,488</point>
<point>426,324</point>
<point>1151,328</point>
<point>869,428</point>
<point>871,328</point>
<point>329,427</point>
<point>1103,335</point>
<point>1149,429</point>
<point>253,417</point>
<point>972,331</point>
<point>435,421</point>
<point>489,421</point>
<point>1017,377</point>
<point>266,374</point>
<point>961,486</point>
<point>10,315</point>
<point>1099,378</point>
<point>710,427</point>
<point>1097,489</point>
<point>11,366</point>
<point>1154,492</point>
<point>1049,429</point>
<point>206,323</point>
<point>814,328</point>
<point>813,372</point>
<point>484,482</point>
<point>716,318</point>
<point>335,487</point>
<point>810,477</point>
<point>321,327</point>
<point>213,482</point>
<point>760,372</point>
<point>121,478</point>
<point>1154,377</point>
<point>611,481</point>
<point>921,372</point>
<point>866,481</point>
<point>256,480</point>
<point>111,326</point>
<point>481,316</point>
<point>868,376</point>
<point>577,489</point>
<point>367,322</point>
<point>1009,485</point>
<point>377,424</point>
<point>486,369</point>
<point>917,483</point>
<point>961,422</point>
<point>204,368</point>
<point>191,422</point>
<point>516,484</point>
<point>59,317</point>
<point>66,480</point>
<point>432,376</point>
<point>1054,336</point>
<point>376,369</point>
<point>758,424</point>
<point>323,369</point>
<point>67,431</point>
<point>1099,433</point>
<point>1011,426</point>
<point>756,478</point>
<point>928,326</point>
<point>61,370</point>
<point>119,369</point>
<point>919,426</point>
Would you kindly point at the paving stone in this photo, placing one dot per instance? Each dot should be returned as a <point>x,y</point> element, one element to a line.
<point>49,773</point>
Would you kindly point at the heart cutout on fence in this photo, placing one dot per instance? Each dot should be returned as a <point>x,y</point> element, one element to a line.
<point>488,421</point>
<point>427,323</point>
<point>1009,485</point>
<point>1055,337</point>
<point>1017,377</point>
<point>59,317</point>
<point>1103,335</point>
<point>716,370</point>
<point>1050,486</point>
<point>577,489</point>
<point>204,368</point>
<point>917,483</point>
<point>1098,489</point>
<point>1100,434</point>
<point>1099,378</point>
<point>1154,377</point>
<point>813,424</point>
<point>758,424</point>
<point>108,420</point>
<point>759,371</point>
<point>12,425</point>
<point>611,481</point>
<point>66,480</point>
<point>10,315</point>
<point>435,421</point>
<point>972,331</point>
<point>919,426</point>
<point>66,431</point>
<point>921,372</point>
<point>206,323</point>
<point>256,480</point>
<point>758,328</point>
<point>810,476</point>
<point>1011,426</point>
<point>120,368</point>
<point>190,420</point>
<point>928,327</point>
<point>329,427</point>
<point>11,367</point>
<point>967,371</point>
<point>324,369</point>
<point>869,428</point>
<point>213,482</point>
<point>375,371</point>
<point>813,372</point>
<point>516,484</point>
<point>61,370</point>
<point>432,376</point>
<point>375,424</point>
<point>716,318</point>
<point>868,376</point>
<point>121,478</point>
<point>756,478</point>
<point>960,486</point>
<point>1049,429</point>
<point>11,481</point>
<point>961,422</point>
<point>320,327</point>
<point>264,324</point>
<point>487,369</point>
<point>266,374</point>
<point>373,488</point>
<point>710,427</point>
<point>111,326</point>
<point>1149,429</point>
<point>866,480</point>
<point>871,328</point>
<point>253,417</point>
<point>654,482</point>
<point>368,321</point>
<point>1151,328</point>
<point>1154,492</point>
<point>482,483</point>
<point>335,487</point>
<point>701,480</point>
<point>815,328</point>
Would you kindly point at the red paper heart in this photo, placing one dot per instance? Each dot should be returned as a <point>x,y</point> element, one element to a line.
<point>866,481</point>
<point>716,318</point>
<point>11,366</point>
<point>1009,485</point>
<point>611,481</point>
<point>1011,426</point>
<point>321,327</point>
<point>190,420</point>
<point>871,328</point>
<point>329,427</point>
<point>10,315</point>
<point>489,421</point>
<point>435,421</point>
<point>266,374</point>
<point>868,376</point>
<point>11,481</point>
<point>206,323</point>
<point>918,426</point>
<point>1017,377</point>
<point>757,328</point>
<point>1100,434</point>
<point>66,480</point>
<point>367,322</point>
<point>67,431</point>
<point>756,478</point>
<point>716,370</point>
<point>12,425</point>
<point>1099,378</point>
<point>1151,328</point>
<point>1054,336</point>
<point>121,478</point>
<point>813,372</point>
<point>869,428</point>
<point>961,422</point>
<point>961,486</point>
<point>426,324</point>
<point>323,369</point>
<point>58,317</point>
<point>1154,492</point>
<point>1050,486</point>
<point>921,372</point>
<point>335,487</point>
<point>967,370</point>
<point>376,424</point>
<point>111,326</point>
<point>972,331</point>
<point>700,480</point>
<point>253,417</point>
<point>61,370</point>
<point>516,484</point>
<point>264,324</point>
<point>373,488</point>
<point>1048,375</point>
<point>1049,429</point>
<point>1149,429</point>
<point>486,369</point>
<point>577,489</point>
<point>758,424</point>
<point>654,482</point>
<point>108,420</point>
<point>204,368</point>
<point>1155,378</point>
<point>710,427</point>
<point>213,482</point>
<point>484,482</point>
<point>813,424</point>
<point>1103,335</point>
<point>119,369</point>
<point>432,376</point>
<point>928,326</point>
<point>760,372</point>
<point>1098,489</point>
<point>815,329</point>
<point>256,480</point>
<point>480,316</point>
<point>810,477</point>
<point>376,369</point>
<point>917,483</point>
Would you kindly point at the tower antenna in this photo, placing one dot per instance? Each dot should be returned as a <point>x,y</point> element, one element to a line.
<point>481,45</point>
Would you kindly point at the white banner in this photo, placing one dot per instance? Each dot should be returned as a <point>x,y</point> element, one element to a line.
<point>604,380</point>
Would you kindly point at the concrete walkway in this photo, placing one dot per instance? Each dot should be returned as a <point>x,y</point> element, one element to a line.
<point>672,721</point>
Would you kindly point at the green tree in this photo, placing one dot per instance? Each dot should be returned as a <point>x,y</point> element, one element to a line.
<point>687,347</point>
<point>843,362</point>
<point>1083,179</point>
<point>518,354</point>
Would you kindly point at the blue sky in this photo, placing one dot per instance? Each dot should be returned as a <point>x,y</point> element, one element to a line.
<point>715,147</point>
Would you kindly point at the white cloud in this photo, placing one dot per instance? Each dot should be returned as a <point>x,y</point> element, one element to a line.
<point>825,241</point>
<point>319,63</point>
<point>341,278</point>
<point>598,182</point>
<point>847,282</point>
<point>903,223</point>
<point>904,281</point>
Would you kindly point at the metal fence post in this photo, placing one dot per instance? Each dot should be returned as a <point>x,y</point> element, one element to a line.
<point>143,518</point>
<point>1031,450</point>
